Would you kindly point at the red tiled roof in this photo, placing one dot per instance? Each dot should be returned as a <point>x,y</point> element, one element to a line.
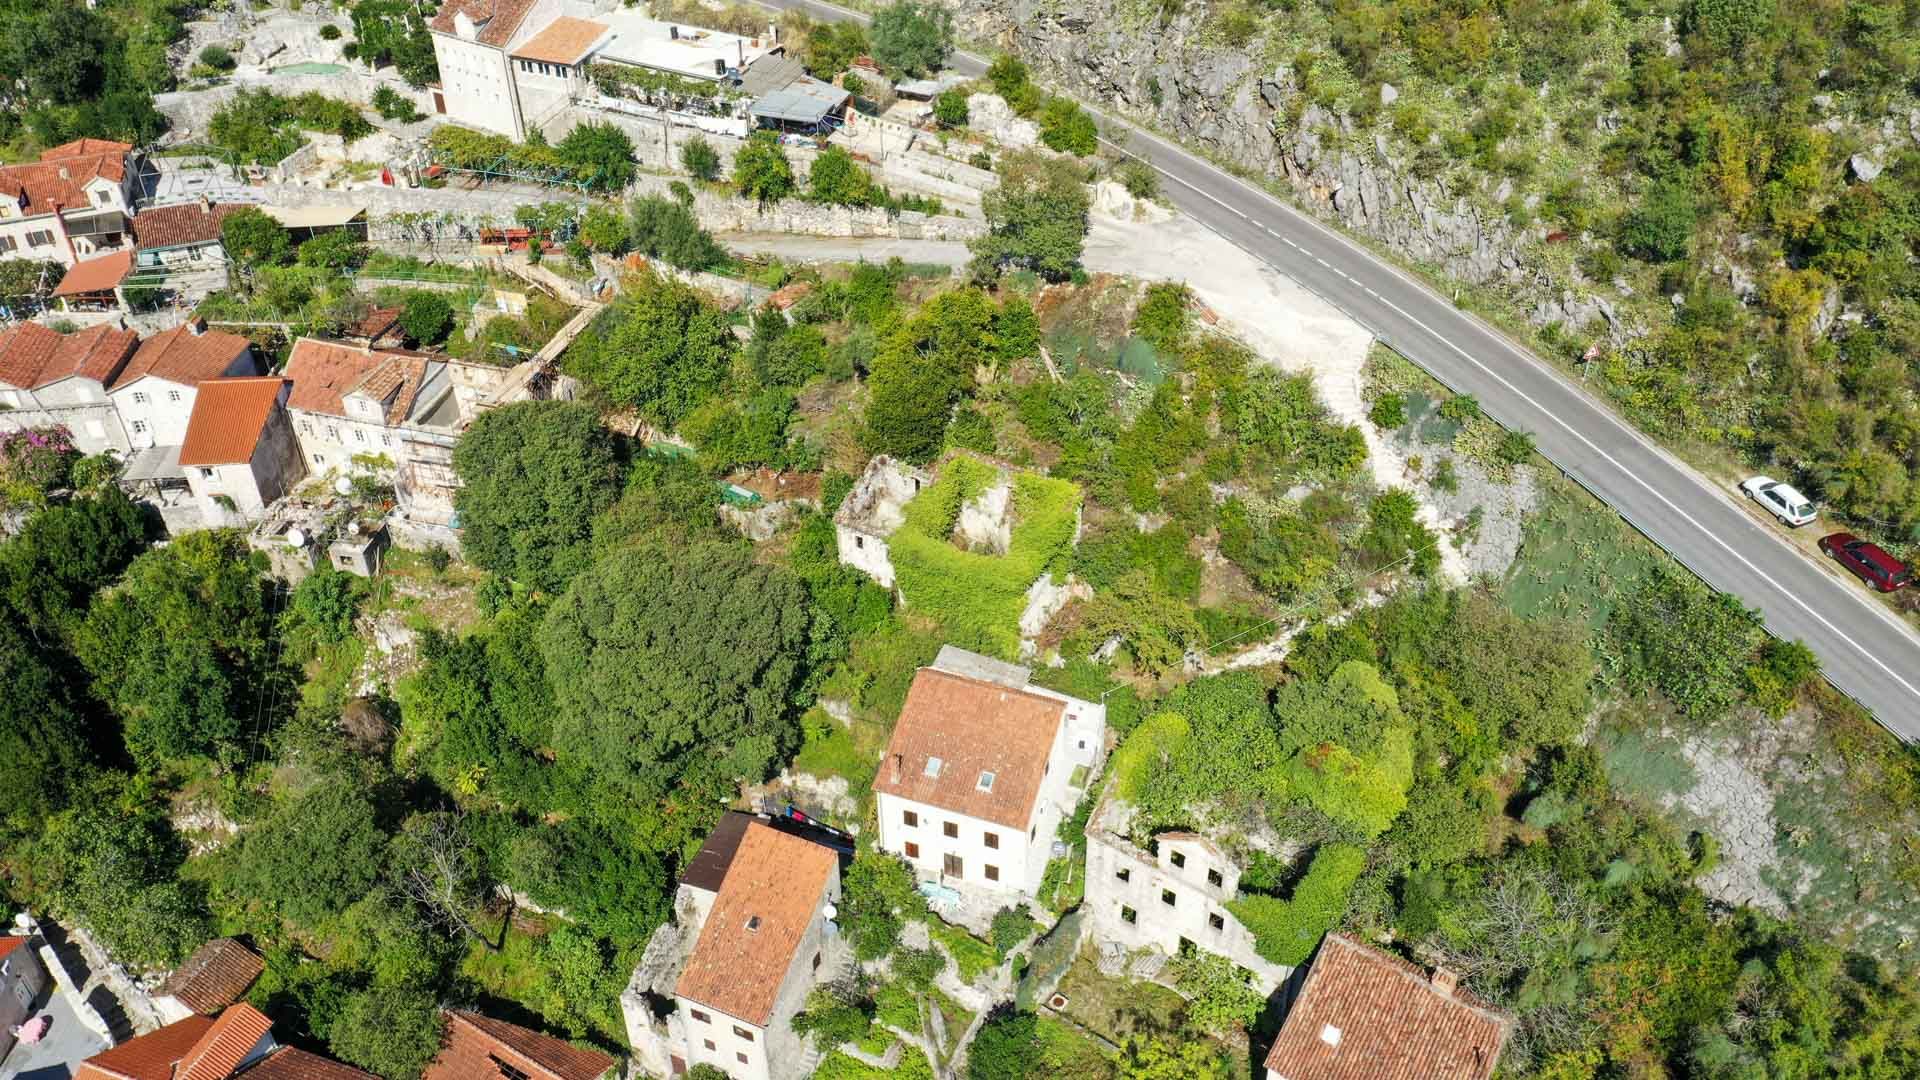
<point>62,174</point>
<point>225,1044</point>
<point>473,1040</point>
<point>974,728</point>
<point>287,1063</point>
<point>228,416</point>
<point>564,41</point>
<point>378,323</point>
<point>33,356</point>
<point>180,226</point>
<point>10,942</point>
<point>95,275</point>
<point>86,148</point>
<point>497,19</point>
<point>219,971</point>
<point>323,372</point>
<point>1365,1015</point>
<point>147,1057</point>
<point>760,916</point>
<point>179,355</point>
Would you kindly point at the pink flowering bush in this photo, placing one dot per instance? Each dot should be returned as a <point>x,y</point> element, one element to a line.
<point>34,462</point>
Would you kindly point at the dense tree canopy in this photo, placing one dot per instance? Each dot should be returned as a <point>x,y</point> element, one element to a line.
<point>662,348</point>
<point>1037,217</point>
<point>534,476</point>
<point>677,665</point>
<point>911,37</point>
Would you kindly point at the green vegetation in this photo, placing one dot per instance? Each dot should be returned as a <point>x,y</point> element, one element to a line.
<point>262,127</point>
<point>73,71</point>
<point>394,32</point>
<point>592,157</point>
<point>911,38</point>
<point>1037,218</point>
<point>1287,931</point>
<point>978,596</point>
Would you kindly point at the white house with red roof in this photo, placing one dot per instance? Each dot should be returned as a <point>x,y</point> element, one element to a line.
<point>239,454</point>
<point>981,770</point>
<point>472,40</point>
<point>238,1042</point>
<point>70,205</point>
<point>752,935</point>
<point>154,392</point>
<point>47,377</point>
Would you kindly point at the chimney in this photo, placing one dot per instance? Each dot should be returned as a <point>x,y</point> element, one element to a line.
<point>1444,982</point>
<point>206,205</point>
<point>196,326</point>
<point>895,769</point>
<point>64,174</point>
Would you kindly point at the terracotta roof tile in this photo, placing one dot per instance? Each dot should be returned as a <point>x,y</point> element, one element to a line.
<point>1365,1015</point>
<point>10,942</point>
<point>228,417</point>
<point>973,728</point>
<point>773,886</point>
<point>287,1063</point>
<point>32,355</point>
<point>62,174</point>
<point>325,371</point>
<point>182,356</point>
<point>498,20</point>
<point>395,383</point>
<point>147,1057</point>
<point>225,1044</point>
<point>221,970</point>
<point>179,226</point>
<point>378,323</point>
<point>95,275</point>
<point>475,1045</point>
<point>564,41</point>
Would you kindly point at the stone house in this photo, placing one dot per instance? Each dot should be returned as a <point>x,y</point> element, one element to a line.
<point>752,935</point>
<point>981,769</point>
<point>471,42</point>
<point>155,392</point>
<point>22,980</point>
<point>51,378</point>
<point>70,205</point>
<point>214,977</point>
<point>478,1047</point>
<point>872,511</point>
<point>239,453</point>
<point>1152,903</point>
<point>1363,1014</point>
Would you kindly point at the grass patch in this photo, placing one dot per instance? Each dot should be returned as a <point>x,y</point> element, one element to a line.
<point>1577,558</point>
<point>1117,1008</point>
<point>1643,764</point>
<point>838,1066</point>
<point>835,749</point>
<point>1065,1051</point>
<point>972,956</point>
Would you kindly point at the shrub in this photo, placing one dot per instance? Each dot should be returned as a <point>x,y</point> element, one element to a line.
<point>950,109</point>
<point>1286,931</point>
<point>761,169</point>
<point>393,105</point>
<point>1393,535</point>
<point>1066,127</point>
<point>1007,1047</point>
<point>1389,412</point>
<point>911,37</point>
<point>1660,228</point>
<point>217,58</point>
<point>1163,321</point>
<point>700,159</point>
<point>426,317</point>
<point>330,32</point>
<point>1140,179</point>
<point>1220,993</point>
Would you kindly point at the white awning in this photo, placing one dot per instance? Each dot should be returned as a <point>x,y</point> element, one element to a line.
<point>314,217</point>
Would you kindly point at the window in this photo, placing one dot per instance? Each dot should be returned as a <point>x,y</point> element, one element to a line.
<point>359,436</point>
<point>702,1017</point>
<point>173,395</point>
<point>8,243</point>
<point>506,1071</point>
<point>913,850</point>
<point>741,1056</point>
<point>139,398</point>
<point>306,426</point>
<point>951,828</point>
<point>933,767</point>
<point>206,474</point>
<point>859,542</point>
<point>1128,915</point>
<point>753,924</point>
<point>816,961</point>
<point>102,198</point>
<point>1167,897</point>
<point>986,781</point>
<point>139,427</point>
<point>954,867</point>
<point>910,819</point>
<point>1214,879</point>
<point>742,1033</point>
<point>1123,874</point>
<point>992,839</point>
<point>1214,920</point>
<point>317,459</point>
<point>333,432</point>
<point>40,238</point>
<point>1178,858</point>
<point>385,439</point>
<point>708,1043</point>
<point>993,872</point>
<point>1033,832</point>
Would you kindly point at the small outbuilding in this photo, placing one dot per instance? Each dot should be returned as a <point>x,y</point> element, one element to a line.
<point>94,284</point>
<point>803,106</point>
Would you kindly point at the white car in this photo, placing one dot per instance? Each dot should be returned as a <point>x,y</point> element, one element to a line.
<point>1783,501</point>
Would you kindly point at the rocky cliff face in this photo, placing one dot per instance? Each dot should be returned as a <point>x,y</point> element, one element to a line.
<point>1230,104</point>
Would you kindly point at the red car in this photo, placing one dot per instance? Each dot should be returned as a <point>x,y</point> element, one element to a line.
<point>1866,561</point>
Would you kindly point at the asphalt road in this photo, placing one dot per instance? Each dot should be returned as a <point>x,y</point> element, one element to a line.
<point>1863,648</point>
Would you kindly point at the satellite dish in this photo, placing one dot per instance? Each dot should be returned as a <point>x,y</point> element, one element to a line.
<point>296,537</point>
<point>830,912</point>
<point>343,486</point>
<point>353,528</point>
